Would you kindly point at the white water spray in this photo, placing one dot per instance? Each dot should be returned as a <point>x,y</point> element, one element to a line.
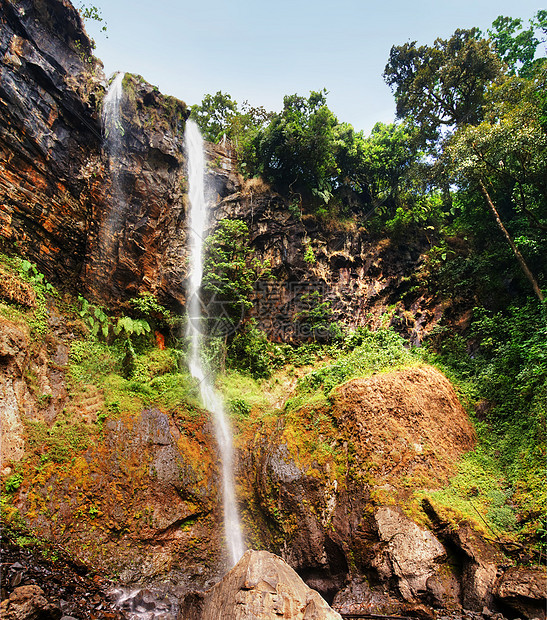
<point>113,133</point>
<point>111,115</point>
<point>211,400</point>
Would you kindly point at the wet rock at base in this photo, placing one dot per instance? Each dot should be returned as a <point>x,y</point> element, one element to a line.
<point>261,585</point>
<point>415,557</point>
<point>29,603</point>
<point>524,590</point>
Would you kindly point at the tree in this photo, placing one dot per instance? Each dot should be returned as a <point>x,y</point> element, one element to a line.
<point>296,151</point>
<point>516,46</point>
<point>388,155</point>
<point>508,149</point>
<point>214,115</point>
<point>442,85</point>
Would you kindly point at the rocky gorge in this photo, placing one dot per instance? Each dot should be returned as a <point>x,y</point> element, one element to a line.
<point>340,483</point>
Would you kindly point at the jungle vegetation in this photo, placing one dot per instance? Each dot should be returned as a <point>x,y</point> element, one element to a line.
<point>465,161</point>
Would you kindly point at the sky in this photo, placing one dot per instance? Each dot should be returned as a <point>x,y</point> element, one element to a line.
<point>260,51</point>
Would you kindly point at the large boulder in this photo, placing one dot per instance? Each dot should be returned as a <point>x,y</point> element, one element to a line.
<point>524,590</point>
<point>29,603</point>
<point>414,556</point>
<point>261,585</point>
<point>315,508</point>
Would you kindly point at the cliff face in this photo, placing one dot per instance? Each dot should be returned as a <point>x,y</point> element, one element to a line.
<point>137,240</point>
<point>113,224</point>
<point>50,136</point>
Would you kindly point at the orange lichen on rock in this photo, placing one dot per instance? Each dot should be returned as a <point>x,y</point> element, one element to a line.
<point>406,422</point>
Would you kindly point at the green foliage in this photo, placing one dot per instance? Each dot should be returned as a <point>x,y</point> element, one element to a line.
<point>58,443</point>
<point>517,46</point>
<point>480,494</point>
<point>249,351</point>
<point>388,157</point>
<point>89,11</point>
<point>93,511</point>
<point>129,327</point>
<point>507,376</point>
<point>13,482</point>
<point>237,386</point>
<point>365,352</point>
<point>90,361</point>
<point>94,317</point>
<point>34,277</point>
<point>26,288</point>
<point>239,408</point>
<point>229,275</point>
<point>297,148</point>
<point>508,150</point>
<point>214,115</point>
<point>309,256</point>
<point>443,84</point>
<point>149,308</point>
<point>316,320</point>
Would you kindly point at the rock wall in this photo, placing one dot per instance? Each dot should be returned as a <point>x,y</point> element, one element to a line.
<point>50,135</point>
<point>113,225</point>
<point>138,238</point>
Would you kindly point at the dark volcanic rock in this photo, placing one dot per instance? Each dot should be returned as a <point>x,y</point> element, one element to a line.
<point>36,587</point>
<point>137,240</point>
<point>50,136</point>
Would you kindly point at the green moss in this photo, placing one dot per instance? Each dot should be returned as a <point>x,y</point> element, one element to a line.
<point>478,493</point>
<point>59,442</point>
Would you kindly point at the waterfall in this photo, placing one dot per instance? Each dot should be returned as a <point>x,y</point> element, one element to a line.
<point>112,126</point>
<point>211,400</point>
<point>113,131</point>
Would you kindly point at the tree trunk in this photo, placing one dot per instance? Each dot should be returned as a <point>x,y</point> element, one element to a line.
<point>516,252</point>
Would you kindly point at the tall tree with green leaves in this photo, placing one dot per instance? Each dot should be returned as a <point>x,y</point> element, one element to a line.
<point>214,115</point>
<point>442,85</point>
<point>296,150</point>
<point>509,149</point>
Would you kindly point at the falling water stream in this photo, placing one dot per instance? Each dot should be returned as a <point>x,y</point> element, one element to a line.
<point>151,603</point>
<point>111,116</point>
<point>113,133</point>
<point>211,400</point>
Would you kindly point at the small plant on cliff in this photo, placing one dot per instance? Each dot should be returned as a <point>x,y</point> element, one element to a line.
<point>91,12</point>
<point>309,256</point>
<point>151,310</point>
<point>316,320</point>
<point>94,317</point>
<point>22,283</point>
<point>13,483</point>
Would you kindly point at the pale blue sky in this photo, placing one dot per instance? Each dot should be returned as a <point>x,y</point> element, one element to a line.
<point>260,51</point>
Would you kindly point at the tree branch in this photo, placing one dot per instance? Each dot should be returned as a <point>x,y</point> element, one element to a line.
<point>516,251</point>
